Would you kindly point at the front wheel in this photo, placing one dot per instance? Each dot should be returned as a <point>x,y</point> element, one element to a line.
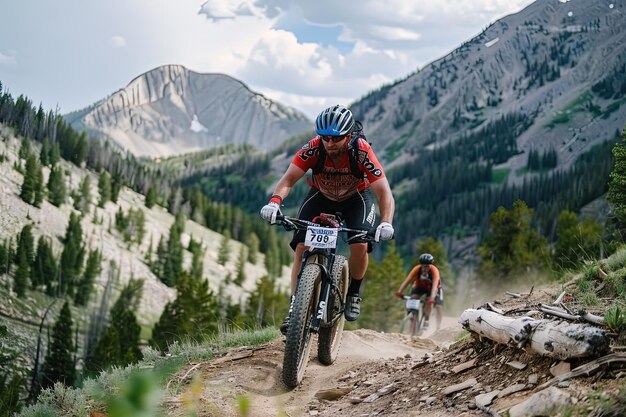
<point>415,323</point>
<point>329,338</point>
<point>298,341</point>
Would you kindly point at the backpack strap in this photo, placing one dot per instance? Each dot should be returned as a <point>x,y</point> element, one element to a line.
<point>353,152</point>
<point>319,166</point>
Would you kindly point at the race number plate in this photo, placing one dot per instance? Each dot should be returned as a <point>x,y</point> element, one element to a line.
<point>412,304</point>
<point>321,237</point>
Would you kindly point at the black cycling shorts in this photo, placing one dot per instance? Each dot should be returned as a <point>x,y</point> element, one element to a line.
<point>358,211</point>
<point>423,291</point>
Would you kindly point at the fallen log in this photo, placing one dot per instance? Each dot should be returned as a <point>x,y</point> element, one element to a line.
<point>556,339</point>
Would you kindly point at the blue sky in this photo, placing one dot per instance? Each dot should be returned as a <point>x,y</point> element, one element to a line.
<point>307,54</point>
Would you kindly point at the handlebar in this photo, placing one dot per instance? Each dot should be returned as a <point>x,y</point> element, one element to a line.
<point>293,223</point>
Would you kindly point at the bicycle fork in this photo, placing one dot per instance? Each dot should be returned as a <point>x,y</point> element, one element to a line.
<point>322,304</point>
<point>327,286</point>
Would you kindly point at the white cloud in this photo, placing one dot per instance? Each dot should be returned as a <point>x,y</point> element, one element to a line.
<point>118,41</point>
<point>226,9</point>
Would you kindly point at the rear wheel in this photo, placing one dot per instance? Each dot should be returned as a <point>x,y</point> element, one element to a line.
<point>298,341</point>
<point>329,338</point>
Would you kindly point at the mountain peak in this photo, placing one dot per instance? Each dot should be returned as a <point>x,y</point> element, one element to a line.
<point>171,110</point>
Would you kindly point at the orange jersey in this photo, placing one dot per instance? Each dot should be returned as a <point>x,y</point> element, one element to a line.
<point>335,180</point>
<point>424,279</point>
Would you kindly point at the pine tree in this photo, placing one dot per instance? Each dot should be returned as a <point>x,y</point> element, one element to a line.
<point>85,195</point>
<point>576,241</point>
<point>55,154</point>
<point>241,264</point>
<point>56,186</point>
<point>26,244</point>
<point>59,363</point>
<point>223,254</point>
<point>43,271</point>
<point>151,197</point>
<point>21,275</point>
<point>119,344</point>
<point>5,268</point>
<point>149,253</point>
<point>174,201</point>
<point>137,220</point>
<point>266,306</point>
<point>197,259</point>
<point>116,185</point>
<point>173,266</point>
<point>72,256</point>
<point>194,313</point>
<point>512,245</point>
<point>93,268</point>
<point>25,149</point>
<point>158,266</point>
<point>253,247</point>
<point>44,155</point>
<point>104,187</point>
<point>39,187</point>
<point>30,185</point>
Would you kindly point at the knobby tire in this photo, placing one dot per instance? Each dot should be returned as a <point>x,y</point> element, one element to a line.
<point>298,341</point>
<point>329,338</point>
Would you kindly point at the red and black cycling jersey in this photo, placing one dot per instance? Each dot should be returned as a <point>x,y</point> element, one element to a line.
<point>335,180</point>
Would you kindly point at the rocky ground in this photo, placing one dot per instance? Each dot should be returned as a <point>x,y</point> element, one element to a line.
<point>380,374</point>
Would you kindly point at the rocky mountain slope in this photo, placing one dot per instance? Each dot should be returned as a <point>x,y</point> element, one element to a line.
<point>171,110</point>
<point>558,64</point>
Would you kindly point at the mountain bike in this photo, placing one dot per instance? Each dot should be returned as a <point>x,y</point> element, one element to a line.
<point>319,300</point>
<point>414,315</point>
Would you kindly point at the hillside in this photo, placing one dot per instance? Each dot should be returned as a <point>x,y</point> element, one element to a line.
<point>23,315</point>
<point>171,110</point>
<point>558,64</point>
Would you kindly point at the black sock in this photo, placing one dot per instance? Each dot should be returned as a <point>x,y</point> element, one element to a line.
<point>355,287</point>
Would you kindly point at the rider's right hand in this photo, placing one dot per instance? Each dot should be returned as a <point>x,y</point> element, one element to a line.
<point>269,211</point>
<point>399,294</point>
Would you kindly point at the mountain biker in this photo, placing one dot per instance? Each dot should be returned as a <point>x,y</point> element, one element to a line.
<point>335,188</point>
<point>425,280</point>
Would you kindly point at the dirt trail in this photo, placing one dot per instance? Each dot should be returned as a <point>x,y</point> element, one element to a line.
<point>255,373</point>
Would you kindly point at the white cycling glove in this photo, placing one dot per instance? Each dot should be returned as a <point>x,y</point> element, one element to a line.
<point>384,231</point>
<point>269,211</point>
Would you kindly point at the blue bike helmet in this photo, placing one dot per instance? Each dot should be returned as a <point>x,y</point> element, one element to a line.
<point>334,121</point>
<point>426,259</point>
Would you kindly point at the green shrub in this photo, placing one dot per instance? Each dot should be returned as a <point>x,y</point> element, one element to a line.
<point>58,401</point>
<point>615,318</point>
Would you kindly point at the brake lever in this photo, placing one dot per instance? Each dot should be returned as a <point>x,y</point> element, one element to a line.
<point>288,224</point>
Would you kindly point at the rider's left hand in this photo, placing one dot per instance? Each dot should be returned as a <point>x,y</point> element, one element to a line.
<point>430,300</point>
<point>384,231</point>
